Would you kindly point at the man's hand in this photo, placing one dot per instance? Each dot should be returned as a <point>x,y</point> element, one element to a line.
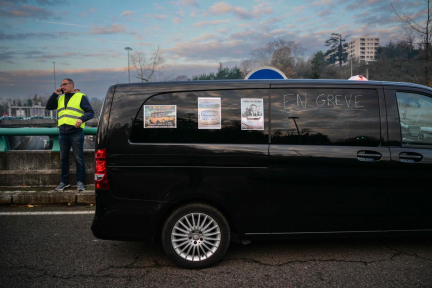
<point>78,123</point>
<point>58,91</point>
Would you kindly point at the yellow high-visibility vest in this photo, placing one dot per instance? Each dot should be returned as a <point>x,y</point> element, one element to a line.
<point>73,111</point>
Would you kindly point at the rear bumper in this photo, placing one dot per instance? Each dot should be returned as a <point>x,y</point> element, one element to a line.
<point>126,219</point>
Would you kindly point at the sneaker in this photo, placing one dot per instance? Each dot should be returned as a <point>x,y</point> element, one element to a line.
<point>62,186</point>
<point>80,186</point>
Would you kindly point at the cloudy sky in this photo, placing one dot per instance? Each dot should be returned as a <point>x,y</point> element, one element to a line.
<point>86,39</point>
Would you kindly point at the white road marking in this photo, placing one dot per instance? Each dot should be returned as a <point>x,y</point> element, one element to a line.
<point>46,213</point>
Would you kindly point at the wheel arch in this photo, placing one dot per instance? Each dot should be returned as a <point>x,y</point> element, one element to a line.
<point>221,208</point>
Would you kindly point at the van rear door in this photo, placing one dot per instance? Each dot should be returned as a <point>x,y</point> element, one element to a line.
<point>182,162</point>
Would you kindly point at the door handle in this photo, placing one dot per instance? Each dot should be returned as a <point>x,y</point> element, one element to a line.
<point>368,156</point>
<point>410,157</point>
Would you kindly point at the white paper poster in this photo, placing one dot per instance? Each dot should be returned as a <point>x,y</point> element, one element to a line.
<point>209,113</point>
<point>252,114</point>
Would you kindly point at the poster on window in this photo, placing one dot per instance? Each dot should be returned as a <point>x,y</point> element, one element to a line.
<point>252,114</point>
<point>160,116</point>
<point>209,113</point>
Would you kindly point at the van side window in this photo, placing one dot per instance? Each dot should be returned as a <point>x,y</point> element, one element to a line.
<point>347,117</point>
<point>187,131</point>
<point>415,114</point>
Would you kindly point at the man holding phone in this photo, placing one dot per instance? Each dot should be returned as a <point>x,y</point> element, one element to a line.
<point>73,110</point>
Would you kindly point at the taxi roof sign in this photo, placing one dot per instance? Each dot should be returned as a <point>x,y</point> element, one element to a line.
<point>359,78</point>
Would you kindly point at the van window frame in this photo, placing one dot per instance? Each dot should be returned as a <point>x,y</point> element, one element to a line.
<point>267,102</point>
<point>413,91</point>
<point>383,137</point>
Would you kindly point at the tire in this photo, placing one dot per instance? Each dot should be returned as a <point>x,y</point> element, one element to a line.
<point>195,236</point>
<point>420,137</point>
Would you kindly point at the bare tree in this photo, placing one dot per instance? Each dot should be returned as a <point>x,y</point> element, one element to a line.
<point>409,38</point>
<point>284,55</point>
<point>246,67</point>
<point>422,29</point>
<point>283,60</point>
<point>147,68</point>
<point>263,56</point>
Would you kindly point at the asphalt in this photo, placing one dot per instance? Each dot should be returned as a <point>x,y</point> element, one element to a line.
<point>25,195</point>
<point>58,250</point>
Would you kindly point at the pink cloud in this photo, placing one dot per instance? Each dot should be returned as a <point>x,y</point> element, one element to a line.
<point>156,16</point>
<point>321,3</point>
<point>19,13</point>
<point>84,14</point>
<point>113,29</point>
<point>205,23</point>
<point>189,2</point>
<point>221,8</point>
<point>304,19</point>
<point>240,12</point>
<point>127,13</point>
<point>296,10</point>
<point>27,11</point>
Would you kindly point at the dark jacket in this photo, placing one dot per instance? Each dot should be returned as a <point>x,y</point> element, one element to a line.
<point>85,105</point>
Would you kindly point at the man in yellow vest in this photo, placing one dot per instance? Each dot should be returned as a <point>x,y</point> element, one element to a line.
<point>73,109</point>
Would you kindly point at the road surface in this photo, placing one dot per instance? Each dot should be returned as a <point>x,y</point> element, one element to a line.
<point>54,247</point>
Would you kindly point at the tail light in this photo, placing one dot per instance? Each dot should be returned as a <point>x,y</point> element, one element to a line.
<point>101,178</point>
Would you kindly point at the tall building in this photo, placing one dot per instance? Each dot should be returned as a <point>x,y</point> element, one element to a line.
<point>363,48</point>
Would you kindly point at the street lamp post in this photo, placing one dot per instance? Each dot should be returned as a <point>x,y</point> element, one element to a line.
<point>367,70</point>
<point>298,132</point>
<point>55,85</point>
<point>128,49</point>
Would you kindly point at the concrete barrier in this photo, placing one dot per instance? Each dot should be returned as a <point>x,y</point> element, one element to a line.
<point>39,168</point>
<point>44,196</point>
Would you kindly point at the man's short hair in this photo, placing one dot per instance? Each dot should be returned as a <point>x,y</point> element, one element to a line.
<point>70,80</point>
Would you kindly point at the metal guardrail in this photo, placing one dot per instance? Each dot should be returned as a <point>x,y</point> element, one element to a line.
<point>54,132</point>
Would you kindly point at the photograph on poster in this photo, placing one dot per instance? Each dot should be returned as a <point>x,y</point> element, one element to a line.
<point>209,113</point>
<point>160,116</point>
<point>252,114</point>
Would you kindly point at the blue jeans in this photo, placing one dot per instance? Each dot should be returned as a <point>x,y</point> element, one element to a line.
<point>76,141</point>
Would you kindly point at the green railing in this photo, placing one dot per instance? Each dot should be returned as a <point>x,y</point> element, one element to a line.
<point>54,132</point>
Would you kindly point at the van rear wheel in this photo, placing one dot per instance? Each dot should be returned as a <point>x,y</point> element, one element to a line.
<point>195,236</point>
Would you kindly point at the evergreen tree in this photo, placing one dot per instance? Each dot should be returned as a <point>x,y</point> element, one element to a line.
<point>318,63</point>
<point>235,73</point>
<point>337,51</point>
<point>221,74</point>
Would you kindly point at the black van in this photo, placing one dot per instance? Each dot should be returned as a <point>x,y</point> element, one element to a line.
<point>252,159</point>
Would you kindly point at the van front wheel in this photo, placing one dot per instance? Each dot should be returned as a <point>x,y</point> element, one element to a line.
<point>195,236</point>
